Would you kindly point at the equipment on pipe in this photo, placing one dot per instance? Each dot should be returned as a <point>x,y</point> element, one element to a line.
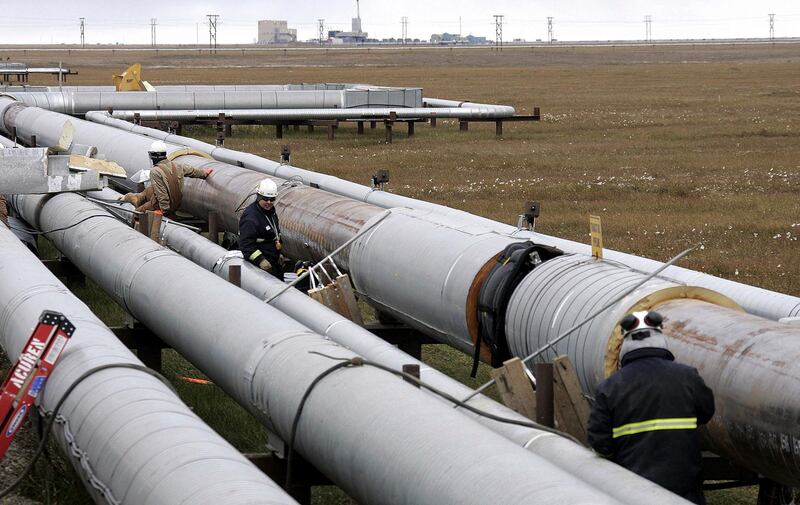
<point>379,438</point>
<point>606,476</point>
<point>758,301</point>
<point>751,364</point>
<point>129,437</point>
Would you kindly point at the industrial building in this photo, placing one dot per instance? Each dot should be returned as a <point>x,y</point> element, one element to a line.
<point>272,31</point>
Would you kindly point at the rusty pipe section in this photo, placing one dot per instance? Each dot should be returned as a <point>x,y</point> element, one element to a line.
<point>751,363</point>
<point>753,366</point>
<point>313,223</point>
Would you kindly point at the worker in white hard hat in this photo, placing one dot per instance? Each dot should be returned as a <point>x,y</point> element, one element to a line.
<point>165,192</point>
<point>260,232</point>
<point>646,415</point>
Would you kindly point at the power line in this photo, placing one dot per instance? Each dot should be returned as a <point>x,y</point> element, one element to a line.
<point>212,31</point>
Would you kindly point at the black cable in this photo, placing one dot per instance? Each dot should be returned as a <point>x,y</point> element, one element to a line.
<point>34,232</point>
<point>296,422</point>
<point>54,413</point>
<point>359,361</point>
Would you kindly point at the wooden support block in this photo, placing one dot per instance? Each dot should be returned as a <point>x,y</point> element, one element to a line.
<point>360,125</point>
<point>433,122</point>
<point>213,227</point>
<point>571,406</point>
<point>332,131</point>
<point>411,128</point>
<point>515,387</point>
<point>463,125</point>
<point>155,226</point>
<point>372,125</point>
<point>278,131</point>
<point>311,128</point>
<point>413,370</point>
<point>388,125</point>
<point>498,127</point>
<point>349,296</point>
<point>544,395</point>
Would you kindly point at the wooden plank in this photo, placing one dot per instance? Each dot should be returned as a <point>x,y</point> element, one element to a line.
<point>572,408</point>
<point>515,388</point>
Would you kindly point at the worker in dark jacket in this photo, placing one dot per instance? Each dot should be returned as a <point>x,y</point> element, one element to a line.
<point>259,231</point>
<point>645,416</point>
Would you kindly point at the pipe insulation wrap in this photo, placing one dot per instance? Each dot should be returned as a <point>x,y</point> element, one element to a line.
<point>566,290</point>
<point>752,364</point>
<point>367,430</point>
<point>142,444</point>
<point>599,472</point>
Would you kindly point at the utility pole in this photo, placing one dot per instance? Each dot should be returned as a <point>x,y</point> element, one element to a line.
<point>321,27</point>
<point>772,27</point>
<point>498,31</point>
<point>549,29</point>
<point>648,31</point>
<point>153,32</point>
<point>83,39</point>
<point>212,31</point>
<point>404,24</point>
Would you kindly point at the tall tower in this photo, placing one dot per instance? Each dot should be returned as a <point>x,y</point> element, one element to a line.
<point>356,25</point>
<point>549,29</point>
<point>648,31</point>
<point>212,31</point>
<point>153,32</point>
<point>498,30</point>
<point>83,40</point>
<point>404,25</point>
<point>321,26</point>
<point>772,27</point>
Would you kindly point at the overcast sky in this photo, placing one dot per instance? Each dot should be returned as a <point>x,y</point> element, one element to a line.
<point>184,21</point>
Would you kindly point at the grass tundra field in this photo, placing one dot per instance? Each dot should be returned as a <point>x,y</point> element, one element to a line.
<point>670,145</point>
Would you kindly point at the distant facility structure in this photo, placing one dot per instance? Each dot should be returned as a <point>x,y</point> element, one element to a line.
<point>275,32</point>
<point>354,36</point>
<point>452,38</point>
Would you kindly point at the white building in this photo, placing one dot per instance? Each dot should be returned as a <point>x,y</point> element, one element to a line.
<point>275,32</point>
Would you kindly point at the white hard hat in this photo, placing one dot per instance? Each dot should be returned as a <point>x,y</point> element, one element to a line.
<point>267,188</point>
<point>158,147</point>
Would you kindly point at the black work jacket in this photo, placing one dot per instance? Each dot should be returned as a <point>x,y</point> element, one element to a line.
<point>258,229</point>
<point>644,418</point>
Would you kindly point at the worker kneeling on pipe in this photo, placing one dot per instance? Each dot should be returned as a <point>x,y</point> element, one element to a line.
<point>645,416</point>
<point>166,183</point>
<point>259,231</point>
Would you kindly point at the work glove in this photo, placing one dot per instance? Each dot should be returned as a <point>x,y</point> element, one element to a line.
<point>278,245</point>
<point>282,260</point>
<point>265,265</point>
<point>128,198</point>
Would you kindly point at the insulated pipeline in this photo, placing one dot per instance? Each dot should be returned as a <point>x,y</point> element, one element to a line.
<point>751,364</point>
<point>599,472</point>
<point>128,436</point>
<point>379,438</point>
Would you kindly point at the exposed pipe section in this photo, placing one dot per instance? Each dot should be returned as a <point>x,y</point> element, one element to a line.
<point>758,301</point>
<point>126,433</point>
<point>367,430</point>
<point>752,364</point>
<point>606,476</point>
